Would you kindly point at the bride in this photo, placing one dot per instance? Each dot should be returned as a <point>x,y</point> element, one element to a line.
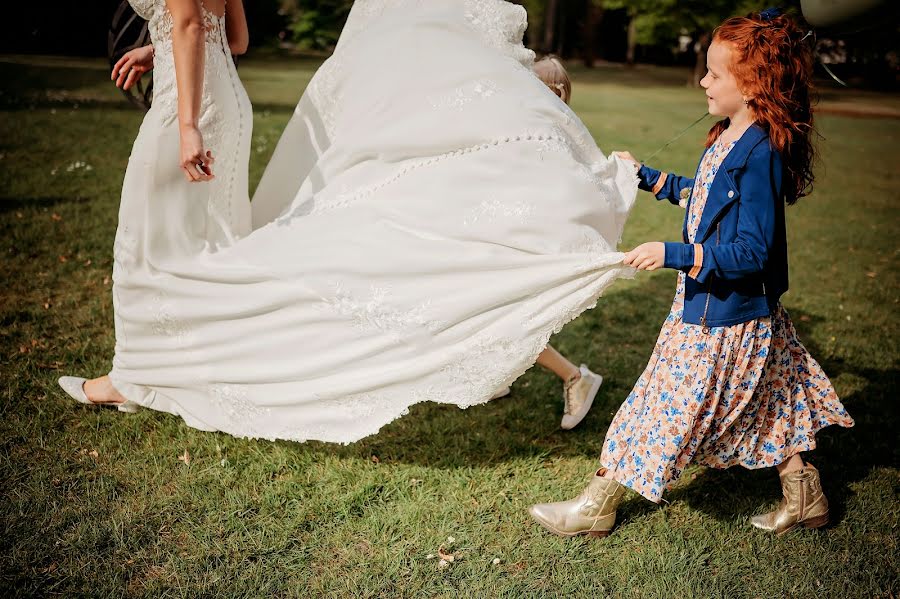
<point>430,217</point>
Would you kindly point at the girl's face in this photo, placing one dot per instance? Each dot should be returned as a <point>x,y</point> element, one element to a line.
<point>722,94</point>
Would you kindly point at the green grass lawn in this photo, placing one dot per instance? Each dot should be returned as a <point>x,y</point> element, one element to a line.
<point>97,503</point>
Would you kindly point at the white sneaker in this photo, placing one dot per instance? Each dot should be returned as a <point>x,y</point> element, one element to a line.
<point>578,397</point>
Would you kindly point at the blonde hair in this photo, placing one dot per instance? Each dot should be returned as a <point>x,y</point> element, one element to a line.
<point>552,72</point>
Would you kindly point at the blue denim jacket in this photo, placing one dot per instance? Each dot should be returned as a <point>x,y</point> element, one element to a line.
<point>737,266</point>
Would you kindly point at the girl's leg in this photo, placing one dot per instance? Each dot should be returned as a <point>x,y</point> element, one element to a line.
<point>795,462</point>
<point>557,363</point>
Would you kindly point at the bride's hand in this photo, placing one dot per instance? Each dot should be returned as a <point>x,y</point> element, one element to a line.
<point>133,64</point>
<point>647,256</point>
<point>196,160</point>
<point>627,156</point>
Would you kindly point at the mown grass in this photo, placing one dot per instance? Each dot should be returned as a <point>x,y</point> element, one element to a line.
<point>96,503</point>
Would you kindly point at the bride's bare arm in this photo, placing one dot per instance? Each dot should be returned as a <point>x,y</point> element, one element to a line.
<point>236,27</point>
<point>188,48</point>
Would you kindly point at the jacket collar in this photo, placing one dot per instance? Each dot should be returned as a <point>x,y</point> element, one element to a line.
<point>716,203</point>
<point>737,157</point>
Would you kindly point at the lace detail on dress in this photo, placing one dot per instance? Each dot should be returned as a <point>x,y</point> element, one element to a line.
<point>165,323</point>
<point>363,405</point>
<point>325,92</point>
<point>590,242</point>
<point>501,25</point>
<point>463,95</point>
<point>223,137</point>
<point>124,250</point>
<point>375,313</point>
<point>163,23</point>
<point>481,365</point>
<point>494,209</point>
<point>241,412</point>
<point>143,8</point>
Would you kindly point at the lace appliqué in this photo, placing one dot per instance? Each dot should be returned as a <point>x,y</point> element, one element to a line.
<point>234,403</point>
<point>163,24</point>
<point>494,210</point>
<point>375,313</point>
<point>460,97</point>
<point>325,92</point>
<point>484,365</point>
<point>124,250</point>
<point>590,242</point>
<point>143,8</point>
<point>165,323</point>
<point>501,25</point>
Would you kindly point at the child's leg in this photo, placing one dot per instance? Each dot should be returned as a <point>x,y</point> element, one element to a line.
<point>557,363</point>
<point>795,462</point>
<point>580,385</point>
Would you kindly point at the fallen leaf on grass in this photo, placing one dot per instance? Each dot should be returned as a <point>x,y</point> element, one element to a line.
<point>185,457</point>
<point>871,274</point>
<point>56,217</point>
<point>63,259</point>
<point>445,556</point>
<point>375,459</point>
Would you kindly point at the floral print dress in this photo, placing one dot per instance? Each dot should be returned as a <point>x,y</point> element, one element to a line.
<point>747,394</point>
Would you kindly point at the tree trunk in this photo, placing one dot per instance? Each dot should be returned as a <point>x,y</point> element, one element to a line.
<point>589,35</point>
<point>550,15</point>
<point>700,47</point>
<point>632,42</point>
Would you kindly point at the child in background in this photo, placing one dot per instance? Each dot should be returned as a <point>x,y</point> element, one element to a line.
<point>580,385</point>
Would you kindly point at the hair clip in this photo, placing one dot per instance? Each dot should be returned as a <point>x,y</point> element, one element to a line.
<point>770,13</point>
<point>808,33</point>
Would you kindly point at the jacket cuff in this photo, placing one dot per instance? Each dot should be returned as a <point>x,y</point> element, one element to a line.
<point>680,256</point>
<point>647,177</point>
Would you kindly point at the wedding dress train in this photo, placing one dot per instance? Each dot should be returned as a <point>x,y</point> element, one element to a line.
<point>431,215</point>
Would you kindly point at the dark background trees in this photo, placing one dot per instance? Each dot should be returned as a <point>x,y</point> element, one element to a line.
<point>589,31</point>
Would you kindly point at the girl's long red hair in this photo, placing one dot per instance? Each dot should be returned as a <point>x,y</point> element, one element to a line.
<point>772,63</point>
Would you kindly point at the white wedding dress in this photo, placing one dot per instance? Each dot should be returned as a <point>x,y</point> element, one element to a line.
<point>431,215</point>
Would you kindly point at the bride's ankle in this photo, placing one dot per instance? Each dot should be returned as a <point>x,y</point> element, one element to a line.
<point>101,390</point>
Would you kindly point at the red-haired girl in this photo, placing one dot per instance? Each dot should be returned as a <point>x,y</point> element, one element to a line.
<point>728,382</point>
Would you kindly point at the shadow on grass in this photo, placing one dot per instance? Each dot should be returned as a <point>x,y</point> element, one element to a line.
<point>626,323</point>
<point>10,204</point>
<point>842,456</point>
